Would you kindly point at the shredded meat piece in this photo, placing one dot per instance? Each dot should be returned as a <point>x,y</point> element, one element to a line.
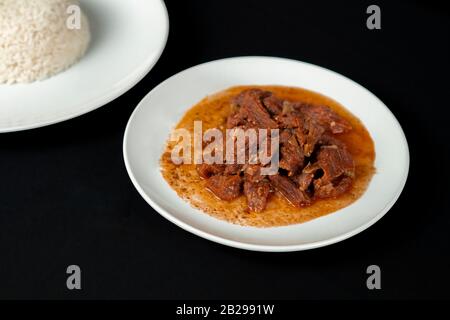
<point>326,117</point>
<point>289,120</point>
<point>289,190</point>
<point>309,134</point>
<point>236,119</point>
<point>257,194</point>
<point>304,180</point>
<point>256,188</point>
<point>332,189</point>
<point>292,156</point>
<point>225,187</point>
<point>252,108</point>
<point>233,169</point>
<point>338,170</point>
<point>252,172</point>
<point>273,104</point>
<point>335,161</point>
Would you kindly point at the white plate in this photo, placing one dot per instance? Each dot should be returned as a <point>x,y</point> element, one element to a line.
<point>128,38</point>
<point>163,107</point>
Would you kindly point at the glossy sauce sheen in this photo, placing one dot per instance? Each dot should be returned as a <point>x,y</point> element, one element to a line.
<point>213,112</point>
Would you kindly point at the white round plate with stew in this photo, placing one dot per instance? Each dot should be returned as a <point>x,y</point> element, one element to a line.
<point>128,38</point>
<point>150,124</point>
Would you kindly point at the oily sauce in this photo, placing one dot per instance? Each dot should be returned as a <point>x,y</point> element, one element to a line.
<point>213,112</point>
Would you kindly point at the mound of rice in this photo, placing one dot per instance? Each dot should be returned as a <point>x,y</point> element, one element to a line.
<point>35,41</point>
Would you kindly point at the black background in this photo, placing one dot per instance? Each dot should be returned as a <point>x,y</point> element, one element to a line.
<point>65,196</point>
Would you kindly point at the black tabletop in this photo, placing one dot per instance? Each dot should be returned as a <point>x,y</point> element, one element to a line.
<point>66,199</point>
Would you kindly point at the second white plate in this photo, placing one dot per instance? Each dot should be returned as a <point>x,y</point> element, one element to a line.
<point>151,122</point>
<point>128,38</point>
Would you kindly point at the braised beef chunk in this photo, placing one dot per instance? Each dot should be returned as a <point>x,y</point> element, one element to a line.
<point>304,180</point>
<point>338,170</point>
<point>334,162</point>
<point>289,120</point>
<point>309,134</point>
<point>314,162</point>
<point>233,168</point>
<point>332,189</point>
<point>251,106</point>
<point>329,140</point>
<point>289,190</point>
<point>256,188</point>
<point>257,194</point>
<point>252,172</point>
<point>207,170</point>
<point>326,117</point>
<point>236,119</point>
<point>307,130</point>
<point>291,155</point>
<point>273,104</point>
<point>289,108</point>
<point>225,187</point>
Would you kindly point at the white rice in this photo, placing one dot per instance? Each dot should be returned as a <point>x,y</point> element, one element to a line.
<point>35,42</point>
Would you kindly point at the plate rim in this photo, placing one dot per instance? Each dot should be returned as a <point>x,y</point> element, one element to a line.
<point>252,246</point>
<point>136,76</point>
